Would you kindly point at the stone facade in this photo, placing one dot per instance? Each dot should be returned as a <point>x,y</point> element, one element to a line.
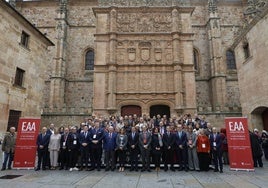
<point>252,69</point>
<point>32,59</point>
<point>143,56</point>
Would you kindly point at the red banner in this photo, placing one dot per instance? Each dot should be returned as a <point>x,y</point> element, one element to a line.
<point>239,148</point>
<point>25,151</point>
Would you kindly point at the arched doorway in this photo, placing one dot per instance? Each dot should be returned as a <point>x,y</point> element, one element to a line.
<point>130,110</point>
<point>160,109</point>
<point>265,119</point>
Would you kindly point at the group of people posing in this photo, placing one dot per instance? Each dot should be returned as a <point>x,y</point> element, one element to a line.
<point>186,143</point>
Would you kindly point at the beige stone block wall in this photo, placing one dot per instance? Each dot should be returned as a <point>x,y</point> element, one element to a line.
<point>32,60</point>
<point>252,73</point>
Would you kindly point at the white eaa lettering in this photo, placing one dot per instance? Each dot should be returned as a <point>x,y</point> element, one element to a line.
<point>236,126</point>
<point>28,126</point>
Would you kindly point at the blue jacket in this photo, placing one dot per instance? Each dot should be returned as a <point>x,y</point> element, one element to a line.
<point>44,141</point>
<point>109,143</point>
<point>217,140</point>
<point>181,140</point>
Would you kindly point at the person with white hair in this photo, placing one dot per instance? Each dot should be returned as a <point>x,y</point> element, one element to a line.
<point>8,147</point>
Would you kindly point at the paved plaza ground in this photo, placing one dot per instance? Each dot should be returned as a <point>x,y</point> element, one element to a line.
<point>102,179</point>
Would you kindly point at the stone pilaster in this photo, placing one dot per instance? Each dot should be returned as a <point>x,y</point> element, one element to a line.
<point>59,69</point>
<point>218,77</point>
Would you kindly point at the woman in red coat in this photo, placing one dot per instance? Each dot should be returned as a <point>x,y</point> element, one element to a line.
<point>203,150</point>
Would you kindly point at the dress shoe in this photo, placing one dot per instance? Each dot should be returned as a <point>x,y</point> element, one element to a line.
<point>9,168</point>
<point>136,170</point>
<point>131,169</point>
<point>142,170</point>
<point>99,169</point>
<point>148,170</point>
<point>61,168</point>
<point>80,169</point>
<point>2,169</point>
<point>216,170</point>
<point>107,169</point>
<point>91,169</point>
<point>37,169</point>
<point>180,169</point>
<point>43,168</point>
<point>112,169</point>
<point>172,169</point>
<point>221,171</point>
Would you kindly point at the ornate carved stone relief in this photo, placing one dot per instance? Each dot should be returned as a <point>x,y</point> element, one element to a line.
<point>144,52</point>
<point>143,2</point>
<point>145,22</point>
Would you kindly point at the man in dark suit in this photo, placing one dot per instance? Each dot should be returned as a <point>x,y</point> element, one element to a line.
<point>84,140</point>
<point>216,149</point>
<point>109,145</point>
<point>96,137</point>
<point>64,156</point>
<point>133,141</point>
<point>42,149</point>
<point>145,139</point>
<point>73,148</point>
<point>168,141</point>
<point>181,148</point>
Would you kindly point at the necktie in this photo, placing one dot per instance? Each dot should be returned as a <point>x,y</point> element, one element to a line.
<point>144,138</point>
<point>110,135</point>
<point>133,134</point>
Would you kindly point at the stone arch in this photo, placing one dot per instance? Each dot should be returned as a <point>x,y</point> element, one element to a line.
<point>259,117</point>
<point>131,103</point>
<point>160,103</point>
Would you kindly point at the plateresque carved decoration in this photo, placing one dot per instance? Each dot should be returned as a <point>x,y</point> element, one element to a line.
<point>143,2</point>
<point>146,22</point>
<point>131,54</point>
<point>145,48</point>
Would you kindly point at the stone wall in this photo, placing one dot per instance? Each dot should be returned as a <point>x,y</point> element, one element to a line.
<point>80,37</point>
<point>252,72</point>
<point>32,59</point>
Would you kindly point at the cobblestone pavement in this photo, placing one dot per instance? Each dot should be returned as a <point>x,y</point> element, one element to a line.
<point>95,179</point>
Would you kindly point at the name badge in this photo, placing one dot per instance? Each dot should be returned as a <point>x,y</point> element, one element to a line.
<point>64,144</point>
<point>94,136</point>
<point>203,145</point>
<point>190,142</point>
<point>75,142</point>
<point>214,144</point>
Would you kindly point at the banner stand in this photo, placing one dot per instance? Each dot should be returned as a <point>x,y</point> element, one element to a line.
<point>25,150</point>
<point>239,147</point>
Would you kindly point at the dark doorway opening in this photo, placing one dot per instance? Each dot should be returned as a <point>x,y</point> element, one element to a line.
<point>130,110</point>
<point>265,119</point>
<point>160,109</point>
<point>13,119</point>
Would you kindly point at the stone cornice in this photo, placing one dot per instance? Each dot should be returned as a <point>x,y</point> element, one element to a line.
<point>107,10</point>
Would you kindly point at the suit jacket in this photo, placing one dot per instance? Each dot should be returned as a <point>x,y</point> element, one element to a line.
<point>122,142</point>
<point>84,139</point>
<point>133,141</point>
<point>9,143</point>
<point>73,141</point>
<point>191,137</point>
<point>109,143</point>
<point>42,140</point>
<point>64,140</point>
<point>148,140</point>
<point>168,140</point>
<point>217,140</point>
<point>181,140</point>
<point>97,135</point>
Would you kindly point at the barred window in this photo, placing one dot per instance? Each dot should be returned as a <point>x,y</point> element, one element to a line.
<point>230,59</point>
<point>19,77</point>
<point>89,64</point>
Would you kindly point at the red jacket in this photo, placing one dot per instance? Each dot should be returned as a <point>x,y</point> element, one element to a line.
<point>202,144</point>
